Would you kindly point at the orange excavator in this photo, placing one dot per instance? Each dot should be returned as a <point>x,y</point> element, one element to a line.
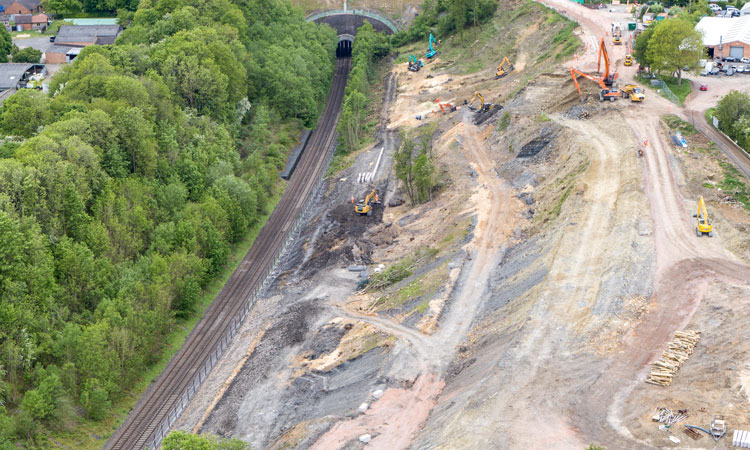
<point>607,78</point>
<point>447,108</point>
<point>610,92</point>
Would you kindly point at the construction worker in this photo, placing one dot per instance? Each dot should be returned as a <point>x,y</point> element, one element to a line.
<point>645,142</point>
<point>377,200</point>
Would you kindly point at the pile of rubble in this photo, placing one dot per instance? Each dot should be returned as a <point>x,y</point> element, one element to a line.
<point>679,350</point>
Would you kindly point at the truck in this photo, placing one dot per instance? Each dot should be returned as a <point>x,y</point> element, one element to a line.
<point>634,92</point>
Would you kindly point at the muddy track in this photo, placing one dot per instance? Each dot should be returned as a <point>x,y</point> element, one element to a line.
<point>165,398</point>
<point>686,264</point>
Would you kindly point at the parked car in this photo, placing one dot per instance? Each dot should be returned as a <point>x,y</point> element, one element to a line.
<point>729,59</point>
<point>736,13</point>
<point>704,87</point>
<point>714,71</point>
<point>745,60</point>
<point>739,69</point>
<point>52,38</point>
<point>730,72</point>
<point>714,7</point>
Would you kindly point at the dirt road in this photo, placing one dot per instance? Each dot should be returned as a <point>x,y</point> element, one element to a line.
<point>401,413</point>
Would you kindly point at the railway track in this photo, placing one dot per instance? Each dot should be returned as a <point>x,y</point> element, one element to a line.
<point>163,400</point>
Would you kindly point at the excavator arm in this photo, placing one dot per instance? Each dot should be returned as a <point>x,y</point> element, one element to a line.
<point>479,96</point>
<point>501,72</point>
<point>611,93</point>
<point>431,51</point>
<point>704,223</point>
<point>602,53</point>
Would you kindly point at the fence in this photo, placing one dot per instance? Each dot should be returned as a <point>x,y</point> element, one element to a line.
<point>163,429</point>
<point>665,91</point>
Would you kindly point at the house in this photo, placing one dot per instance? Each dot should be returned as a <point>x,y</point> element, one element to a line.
<point>21,6</point>
<point>58,54</point>
<point>84,35</point>
<point>39,22</point>
<point>22,21</point>
<point>16,75</point>
<point>724,37</point>
<point>72,38</point>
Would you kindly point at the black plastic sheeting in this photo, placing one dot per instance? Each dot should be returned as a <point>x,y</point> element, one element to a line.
<point>294,156</point>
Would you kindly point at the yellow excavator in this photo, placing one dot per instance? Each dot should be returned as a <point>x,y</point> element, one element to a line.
<point>501,71</point>
<point>482,105</point>
<point>365,206</point>
<point>704,223</point>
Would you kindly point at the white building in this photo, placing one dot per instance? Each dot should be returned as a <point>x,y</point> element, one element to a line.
<point>723,36</point>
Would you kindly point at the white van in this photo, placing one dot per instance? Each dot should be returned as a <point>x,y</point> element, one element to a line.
<point>714,7</point>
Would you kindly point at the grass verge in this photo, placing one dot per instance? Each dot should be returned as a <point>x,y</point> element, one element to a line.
<point>680,91</point>
<point>676,124</point>
<point>733,185</point>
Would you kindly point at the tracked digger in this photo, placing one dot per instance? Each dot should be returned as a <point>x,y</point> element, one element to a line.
<point>431,52</point>
<point>704,223</point>
<point>610,93</point>
<point>608,78</point>
<point>483,107</point>
<point>414,63</point>
<point>364,207</point>
<point>504,68</point>
<point>447,108</point>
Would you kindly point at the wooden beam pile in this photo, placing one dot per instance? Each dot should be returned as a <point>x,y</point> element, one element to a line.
<point>678,351</point>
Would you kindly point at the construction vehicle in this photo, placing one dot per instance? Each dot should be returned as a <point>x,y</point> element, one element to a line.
<point>431,51</point>
<point>616,34</point>
<point>363,207</point>
<point>501,70</point>
<point>606,92</point>
<point>704,223</point>
<point>634,92</point>
<point>414,63</point>
<point>447,108</point>
<point>628,60</point>
<point>607,78</point>
<point>483,107</point>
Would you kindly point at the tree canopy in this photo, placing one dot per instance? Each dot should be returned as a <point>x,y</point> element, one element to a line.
<point>674,44</point>
<point>124,189</point>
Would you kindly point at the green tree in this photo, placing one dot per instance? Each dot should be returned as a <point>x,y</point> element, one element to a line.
<point>640,52</point>
<point>95,400</point>
<point>24,112</point>
<point>6,45</point>
<point>182,440</point>
<point>675,44</point>
<point>42,403</point>
<point>733,112</point>
<point>27,55</point>
<point>424,178</point>
<point>404,165</point>
<point>62,7</point>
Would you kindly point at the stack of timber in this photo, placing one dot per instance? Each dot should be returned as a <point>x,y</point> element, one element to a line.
<point>679,350</point>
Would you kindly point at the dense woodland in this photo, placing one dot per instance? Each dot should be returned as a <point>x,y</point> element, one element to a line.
<point>122,191</point>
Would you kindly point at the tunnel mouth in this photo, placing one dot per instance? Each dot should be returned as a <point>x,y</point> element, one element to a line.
<point>344,48</point>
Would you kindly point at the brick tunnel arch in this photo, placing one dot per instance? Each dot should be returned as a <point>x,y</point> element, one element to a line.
<point>346,23</point>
